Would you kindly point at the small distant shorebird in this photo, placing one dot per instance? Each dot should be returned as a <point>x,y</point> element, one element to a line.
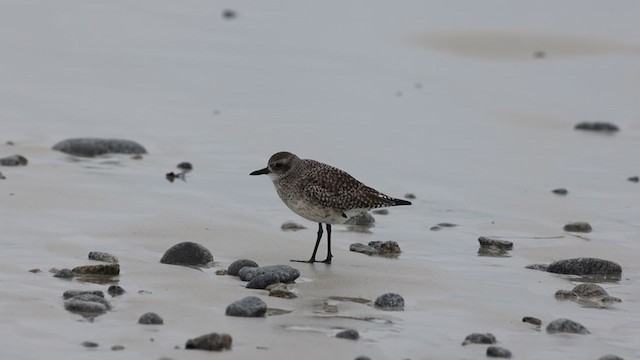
<point>321,193</point>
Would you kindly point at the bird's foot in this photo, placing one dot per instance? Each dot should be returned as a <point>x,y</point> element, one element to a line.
<point>310,261</point>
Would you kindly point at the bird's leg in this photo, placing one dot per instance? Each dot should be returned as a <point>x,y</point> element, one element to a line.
<point>315,249</point>
<point>329,256</point>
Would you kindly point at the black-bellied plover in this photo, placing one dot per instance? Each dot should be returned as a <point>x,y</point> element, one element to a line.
<point>321,193</point>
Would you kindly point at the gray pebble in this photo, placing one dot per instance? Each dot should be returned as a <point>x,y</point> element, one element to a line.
<point>90,344</point>
<point>498,352</point>
<point>597,126</point>
<point>90,147</point>
<point>14,160</point>
<point>350,334</point>
<point>386,247</point>
<point>186,166</point>
<point>150,318</point>
<point>560,191</point>
<point>566,326</point>
<point>103,256</point>
<point>390,302</point>
<point>210,342</point>
<point>115,290</point>
<point>108,269</point>
<point>479,338</point>
<point>73,293</point>
<point>117,348</point>
<point>291,226</point>
<point>64,274</point>
<point>634,179</point>
<point>250,306</point>
<point>362,248</point>
<point>187,253</point>
<point>495,243</point>
<point>532,320</point>
<point>84,307</point>
<point>235,266</point>
<point>585,266</point>
<point>285,273</point>
<point>540,267</point>
<point>362,221</point>
<point>262,281</point>
<point>579,226</point>
<point>610,357</point>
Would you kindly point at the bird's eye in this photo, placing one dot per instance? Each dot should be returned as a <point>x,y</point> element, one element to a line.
<point>277,165</point>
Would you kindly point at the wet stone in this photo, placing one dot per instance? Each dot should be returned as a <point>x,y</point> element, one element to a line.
<point>585,266</point>
<point>221,272</point>
<point>35,271</point>
<point>498,352</point>
<point>186,166</point>
<point>442,225</point>
<point>90,344</point>
<point>250,306</point>
<point>87,304</point>
<point>281,290</point>
<point>115,290</point>
<point>597,126</point>
<point>634,179</point>
<point>539,267</point>
<point>235,266</point>
<point>350,334</point>
<point>490,243</point>
<point>580,226</point>
<point>262,281</point>
<point>362,248</point>
<point>103,256</point>
<point>610,357</point>
<point>110,269</point>
<point>291,226</point>
<point>565,295</point>
<point>362,358</point>
<point>187,253</point>
<point>363,220</point>
<point>532,320</point>
<point>479,338</point>
<point>386,248</point>
<point>566,326</point>
<point>73,293</point>
<point>410,196</point>
<point>229,14</point>
<point>14,160</point>
<point>380,211</point>
<point>117,347</point>
<point>284,273</point>
<point>390,302</point>
<point>64,274</point>
<point>210,342</point>
<point>150,318</point>
<point>91,147</point>
<point>590,290</point>
<point>560,191</point>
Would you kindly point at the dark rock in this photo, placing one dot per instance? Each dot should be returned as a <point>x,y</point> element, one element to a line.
<point>284,273</point>
<point>350,334</point>
<point>229,14</point>
<point>478,338</point>
<point>186,166</point>
<point>281,290</point>
<point>14,160</point>
<point>585,266</point>
<point>532,320</point>
<point>211,342</point>
<point>64,274</point>
<point>235,266</point>
<point>90,147</point>
<point>386,247</point>
<point>495,243</point>
<point>565,295</point>
<point>2,177</point>
<point>250,306</point>
<point>589,295</point>
<point>117,347</point>
<point>590,290</point>
<point>364,249</point>
<point>580,226</point>
<point>187,253</point>
<point>409,196</point>
<point>380,211</point>
<point>262,281</point>
<point>362,220</point>
<point>442,225</point>
<point>35,271</point>
<point>566,326</point>
<point>390,302</point>
<point>221,272</point>
<point>539,267</point>
<point>498,352</point>
<point>115,290</point>
<point>597,126</point>
<point>103,256</point>
<point>150,318</point>
<point>87,304</point>
<point>110,269</point>
<point>291,226</point>
<point>610,357</point>
<point>362,357</point>
<point>633,179</point>
<point>90,344</point>
<point>560,191</point>
<point>73,293</point>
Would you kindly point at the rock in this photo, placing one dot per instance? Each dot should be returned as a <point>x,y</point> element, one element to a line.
<point>110,269</point>
<point>590,290</point>
<point>362,221</point>
<point>380,211</point>
<point>14,160</point>
<point>262,281</point>
<point>91,147</point>
<point>589,294</point>
<point>580,226</point>
<point>498,352</point>
<point>186,166</point>
<point>64,274</point>
<point>362,248</point>
<point>585,266</point>
<point>565,295</point>
<point>115,290</point>
<point>597,126</point>
<point>35,271</point>
<point>560,191</point>
<point>2,177</point>
<point>90,344</point>
<point>285,273</point>
<point>229,14</point>
<point>486,242</point>
<point>281,290</point>
<point>610,357</point>
<point>150,318</point>
<point>291,226</point>
<point>478,338</point>
<point>390,302</point>
<point>117,347</point>
<point>211,342</point>
<point>386,248</point>
<point>73,293</point>
<point>102,256</point>
<point>221,272</point>
<point>634,179</point>
<point>532,320</point>
<point>350,334</point>
<point>250,306</point>
<point>566,326</point>
<point>540,267</point>
<point>442,225</point>
<point>187,253</point>
<point>235,266</point>
<point>87,304</point>
<point>409,196</point>
<point>362,357</point>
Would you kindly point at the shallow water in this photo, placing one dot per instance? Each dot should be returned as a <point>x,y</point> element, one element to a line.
<point>479,138</point>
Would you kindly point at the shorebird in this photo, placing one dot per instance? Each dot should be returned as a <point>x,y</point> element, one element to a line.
<point>321,193</point>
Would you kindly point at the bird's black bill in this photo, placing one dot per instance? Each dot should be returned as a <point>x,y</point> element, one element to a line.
<point>260,172</point>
